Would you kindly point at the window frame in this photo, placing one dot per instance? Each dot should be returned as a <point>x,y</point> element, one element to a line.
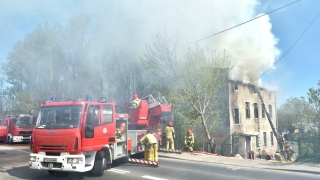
<point>271,139</point>
<point>270,111</point>
<point>247,109</point>
<point>265,143</point>
<point>255,110</point>
<point>236,116</point>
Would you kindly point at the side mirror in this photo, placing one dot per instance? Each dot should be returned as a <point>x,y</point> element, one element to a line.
<point>31,112</point>
<point>30,120</point>
<point>90,126</point>
<point>89,130</point>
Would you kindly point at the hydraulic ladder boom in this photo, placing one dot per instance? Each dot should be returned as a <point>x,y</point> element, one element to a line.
<point>268,115</point>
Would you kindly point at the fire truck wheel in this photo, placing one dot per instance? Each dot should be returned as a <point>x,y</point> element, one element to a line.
<point>5,139</point>
<point>99,164</point>
<point>108,161</point>
<point>9,140</point>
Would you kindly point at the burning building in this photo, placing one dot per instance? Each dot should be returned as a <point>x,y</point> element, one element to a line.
<point>245,128</point>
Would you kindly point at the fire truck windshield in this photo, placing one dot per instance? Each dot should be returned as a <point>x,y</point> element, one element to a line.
<point>59,117</point>
<point>2,122</point>
<point>23,122</point>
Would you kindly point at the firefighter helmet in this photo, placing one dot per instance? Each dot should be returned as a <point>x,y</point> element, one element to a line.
<point>135,96</point>
<point>189,131</point>
<point>170,123</point>
<point>149,131</point>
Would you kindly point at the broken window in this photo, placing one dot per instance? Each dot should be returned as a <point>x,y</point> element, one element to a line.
<point>271,138</point>
<point>256,110</point>
<point>247,110</point>
<point>264,138</point>
<point>263,115</point>
<point>254,90</point>
<point>270,111</point>
<point>236,87</point>
<point>236,116</point>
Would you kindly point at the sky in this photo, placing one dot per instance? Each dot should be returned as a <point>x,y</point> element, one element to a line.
<point>280,37</point>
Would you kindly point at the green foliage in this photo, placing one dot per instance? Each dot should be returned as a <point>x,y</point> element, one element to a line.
<point>304,114</point>
<point>195,81</point>
<point>68,62</point>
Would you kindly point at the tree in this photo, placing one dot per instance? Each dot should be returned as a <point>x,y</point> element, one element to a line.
<point>291,114</point>
<point>199,77</point>
<point>314,117</point>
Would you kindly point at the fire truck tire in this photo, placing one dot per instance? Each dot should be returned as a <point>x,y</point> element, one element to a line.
<point>108,160</point>
<point>99,164</point>
<point>5,140</point>
<point>9,140</point>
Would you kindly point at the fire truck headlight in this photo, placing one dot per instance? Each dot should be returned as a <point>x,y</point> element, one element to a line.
<point>33,158</point>
<point>74,160</point>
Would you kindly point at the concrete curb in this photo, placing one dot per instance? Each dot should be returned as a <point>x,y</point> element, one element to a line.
<point>235,163</point>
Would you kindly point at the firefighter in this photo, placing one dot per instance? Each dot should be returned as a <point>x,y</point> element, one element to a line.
<point>282,142</point>
<point>119,130</point>
<point>170,136</point>
<point>189,141</point>
<point>151,146</point>
<point>291,156</point>
<point>135,102</point>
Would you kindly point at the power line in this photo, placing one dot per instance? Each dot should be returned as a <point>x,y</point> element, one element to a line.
<point>289,48</point>
<point>245,22</point>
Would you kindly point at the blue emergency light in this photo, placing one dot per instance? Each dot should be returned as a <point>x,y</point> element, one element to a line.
<point>88,97</point>
<point>53,99</point>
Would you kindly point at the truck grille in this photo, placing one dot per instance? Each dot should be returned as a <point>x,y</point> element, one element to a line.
<point>23,132</point>
<point>55,164</point>
<point>51,147</point>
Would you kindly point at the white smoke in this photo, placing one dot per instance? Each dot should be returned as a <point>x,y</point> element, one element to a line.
<point>127,25</point>
<point>251,47</point>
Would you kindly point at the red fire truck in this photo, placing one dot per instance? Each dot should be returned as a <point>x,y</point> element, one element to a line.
<point>3,128</point>
<point>14,129</point>
<point>80,135</point>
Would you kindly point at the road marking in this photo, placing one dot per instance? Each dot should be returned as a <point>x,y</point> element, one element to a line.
<point>24,151</point>
<point>4,147</point>
<point>153,178</point>
<point>118,171</point>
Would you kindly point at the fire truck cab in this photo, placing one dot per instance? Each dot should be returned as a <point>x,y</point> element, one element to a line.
<point>14,129</point>
<point>3,128</point>
<point>82,135</point>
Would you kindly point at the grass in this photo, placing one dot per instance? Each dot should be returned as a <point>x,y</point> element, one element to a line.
<point>309,159</point>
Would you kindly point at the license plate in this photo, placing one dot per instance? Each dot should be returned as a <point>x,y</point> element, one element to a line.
<point>50,159</point>
<point>50,165</point>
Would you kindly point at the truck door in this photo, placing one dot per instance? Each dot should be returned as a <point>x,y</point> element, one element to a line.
<point>99,129</point>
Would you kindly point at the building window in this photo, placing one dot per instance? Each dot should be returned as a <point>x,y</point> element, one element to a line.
<point>264,138</point>
<point>256,110</point>
<point>247,110</point>
<point>236,87</point>
<point>254,90</point>
<point>258,141</point>
<point>270,111</point>
<point>263,115</point>
<point>236,116</point>
<point>271,138</point>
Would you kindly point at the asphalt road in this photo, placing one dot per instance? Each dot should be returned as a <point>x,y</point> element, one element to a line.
<point>14,165</point>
